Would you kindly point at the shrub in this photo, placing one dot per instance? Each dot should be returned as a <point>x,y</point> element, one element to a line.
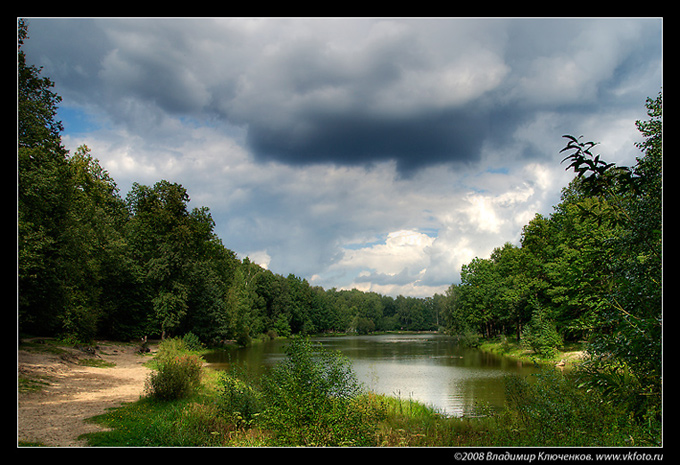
<point>469,339</point>
<point>178,373</point>
<point>170,348</point>
<point>552,411</point>
<point>309,399</point>
<point>363,325</point>
<point>192,342</point>
<point>238,398</point>
<point>200,424</point>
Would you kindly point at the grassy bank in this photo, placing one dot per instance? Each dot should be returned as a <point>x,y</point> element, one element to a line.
<point>200,422</point>
<point>313,399</point>
<point>568,355</point>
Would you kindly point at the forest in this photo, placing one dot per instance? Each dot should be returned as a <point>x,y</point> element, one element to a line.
<point>94,264</point>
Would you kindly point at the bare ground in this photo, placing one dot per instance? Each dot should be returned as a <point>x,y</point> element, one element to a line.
<point>54,416</point>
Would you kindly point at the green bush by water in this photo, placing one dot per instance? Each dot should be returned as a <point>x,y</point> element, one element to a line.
<point>313,398</point>
<point>178,372</point>
<point>548,409</point>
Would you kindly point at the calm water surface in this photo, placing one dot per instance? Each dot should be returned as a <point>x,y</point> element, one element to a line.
<point>430,368</point>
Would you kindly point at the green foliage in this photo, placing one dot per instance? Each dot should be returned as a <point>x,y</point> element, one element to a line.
<point>151,422</point>
<point>620,387</point>
<point>37,104</point>
<point>309,397</point>
<point>625,360</point>
<point>540,334</point>
<point>44,192</point>
<point>175,378</point>
<point>550,410</point>
<point>177,374</point>
<point>467,338</point>
<point>363,325</point>
<point>192,342</point>
<point>239,397</point>
<point>590,271</point>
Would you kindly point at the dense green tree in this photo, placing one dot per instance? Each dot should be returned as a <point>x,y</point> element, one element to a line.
<point>37,125</point>
<point>44,191</point>
<point>477,291</point>
<point>189,278</point>
<point>100,273</point>
<point>626,352</point>
<point>591,271</point>
<point>69,218</point>
<point>592,268</point>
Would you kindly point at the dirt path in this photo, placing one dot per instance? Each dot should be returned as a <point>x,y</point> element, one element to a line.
<point>55,415</point>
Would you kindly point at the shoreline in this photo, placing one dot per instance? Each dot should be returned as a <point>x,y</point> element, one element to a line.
<point>567,356</point>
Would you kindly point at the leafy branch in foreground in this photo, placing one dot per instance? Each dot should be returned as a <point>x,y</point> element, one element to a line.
<point>599,172</point>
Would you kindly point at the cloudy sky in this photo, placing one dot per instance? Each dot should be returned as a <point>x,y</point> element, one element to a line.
<point>374,153</point>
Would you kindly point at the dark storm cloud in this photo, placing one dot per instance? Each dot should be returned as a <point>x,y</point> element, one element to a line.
<point>453,136</point>
<point>351,92</point>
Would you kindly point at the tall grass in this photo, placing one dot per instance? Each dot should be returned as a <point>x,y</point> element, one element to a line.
<point>314,399</point>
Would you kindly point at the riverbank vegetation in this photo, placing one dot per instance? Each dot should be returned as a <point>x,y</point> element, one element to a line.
<point>92,263</point>
<point>313,398</point>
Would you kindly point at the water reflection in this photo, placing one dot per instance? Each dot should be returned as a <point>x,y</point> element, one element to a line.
<point>430,368</point>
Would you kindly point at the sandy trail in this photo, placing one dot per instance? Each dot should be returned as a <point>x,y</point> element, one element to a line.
<point>55,415</point>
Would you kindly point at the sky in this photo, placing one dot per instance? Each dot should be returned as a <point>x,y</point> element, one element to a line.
<point>373,153</point>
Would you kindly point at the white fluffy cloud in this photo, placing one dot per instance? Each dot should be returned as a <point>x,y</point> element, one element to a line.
<point>401,249</point>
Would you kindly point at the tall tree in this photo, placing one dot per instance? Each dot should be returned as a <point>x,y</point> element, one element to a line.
<point>166,241</point>
<point>44,193</point>
<point>626,358</point>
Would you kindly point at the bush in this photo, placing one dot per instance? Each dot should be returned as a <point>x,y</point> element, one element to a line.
<point>469,339</point>
<point>169,348</point>
<point>178,373</point>
<point>552,411</point>
<point>200,424</point>
<point>363,325</point>
<point>310,399</point>
<point>192,342</point>
<point>238,397</point>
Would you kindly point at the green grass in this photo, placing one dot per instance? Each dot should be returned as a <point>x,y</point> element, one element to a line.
<point>515,350</point>
<point>95,362</point>
<point>198,421</point>
<point>548,411</point>
<point>148,423</point>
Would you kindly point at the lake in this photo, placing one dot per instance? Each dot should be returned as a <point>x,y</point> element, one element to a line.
<point>431,368</point>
